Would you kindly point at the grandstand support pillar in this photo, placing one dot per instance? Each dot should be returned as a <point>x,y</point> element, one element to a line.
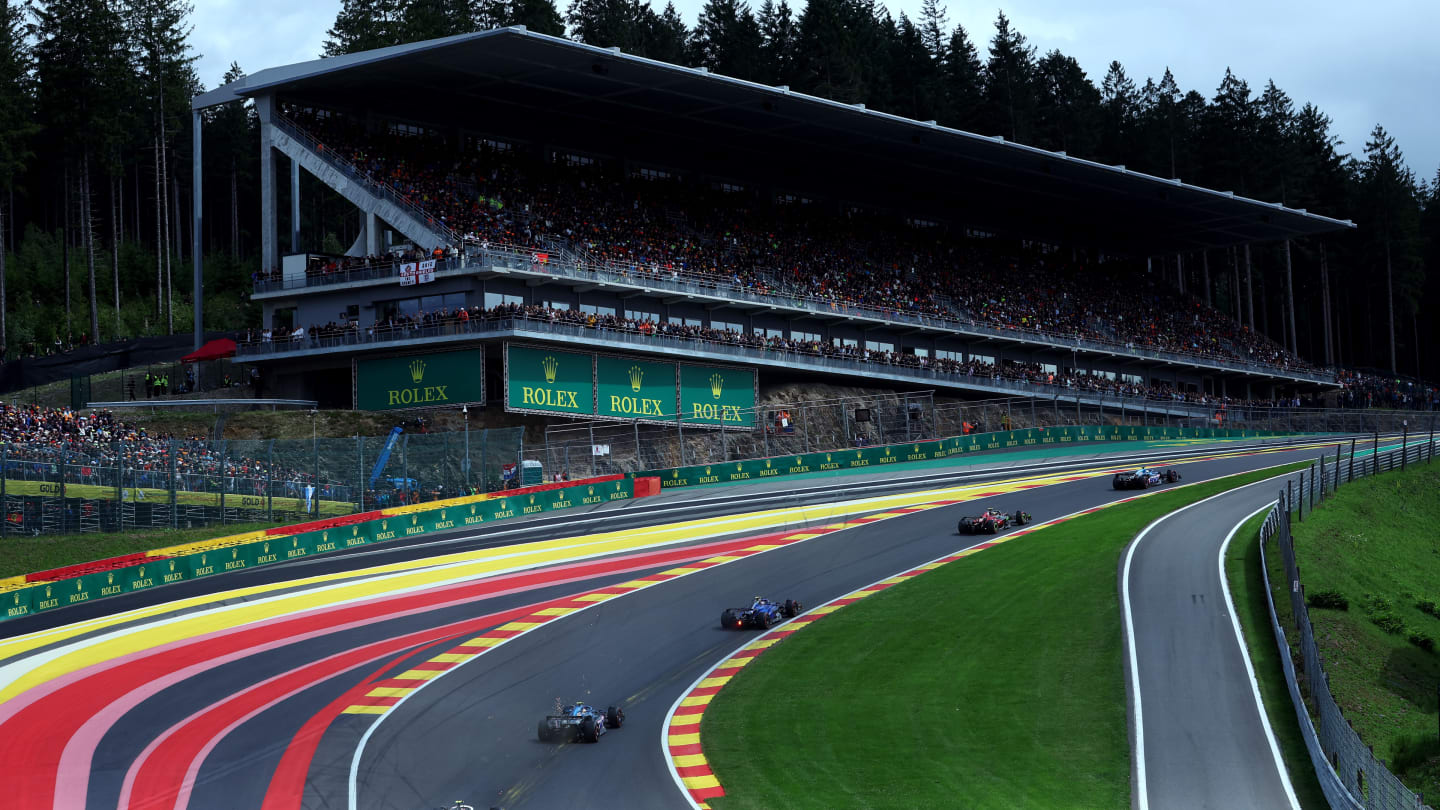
<point>4,469</point>
<point>223,448</point>
<point>1249,292</point>
<point>119,451</point>
<point>197,197</point>
<point>269,217</point>
<point>1205,269</point>
<point>1180,272</point>
<point>170,485</point>
<point>269,481</point>
<point>294,206</point>
<point>1290,300</point>
<point>372,234</point>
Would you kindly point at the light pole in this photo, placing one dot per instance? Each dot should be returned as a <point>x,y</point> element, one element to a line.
<point>465,412</point>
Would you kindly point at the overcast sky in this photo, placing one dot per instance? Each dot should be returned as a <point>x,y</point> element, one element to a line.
<point>1362,63</point>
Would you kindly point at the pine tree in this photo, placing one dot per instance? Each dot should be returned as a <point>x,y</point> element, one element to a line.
<point>964,81</point>
<point>670,38</point>
<point>1120,114</point>
<point>362,25</point>
<point>914,73</point>
<point>727,39</point>
<point>1387,188</point>
<point>933,21</point>
<point>1068,106</point>
<point>625,24</point>
<point>1010,83</point>
<point>539,16</point>
<point>778,36</point>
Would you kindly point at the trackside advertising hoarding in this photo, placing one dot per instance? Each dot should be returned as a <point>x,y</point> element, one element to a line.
<point>434,380</point>
<point>723,396</point>
<point>546,380</point>
<point>627,388</point>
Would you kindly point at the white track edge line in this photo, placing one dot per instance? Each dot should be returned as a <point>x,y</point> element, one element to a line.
<point>1280,766</point>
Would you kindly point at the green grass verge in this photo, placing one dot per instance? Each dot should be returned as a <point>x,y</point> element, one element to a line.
<point>24,554</point>
<point>1247,588</point>
<point>1375,543</point>
<point>996,681</point>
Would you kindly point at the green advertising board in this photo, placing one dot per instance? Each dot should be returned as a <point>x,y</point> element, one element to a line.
<point>549,380</point>
<point>627,388</point>
<point>17,602</point>
<point>717,395</point>
<point>437,379</point>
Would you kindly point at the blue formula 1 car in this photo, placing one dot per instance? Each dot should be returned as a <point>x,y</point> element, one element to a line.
<point>580,722</point>
<point>762,614</point>
<point>1144,478</point>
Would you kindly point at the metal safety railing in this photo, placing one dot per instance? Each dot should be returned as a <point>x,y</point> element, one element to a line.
<point>1349,773</point>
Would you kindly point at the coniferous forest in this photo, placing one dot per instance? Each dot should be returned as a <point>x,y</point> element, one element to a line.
<point>95,151</point>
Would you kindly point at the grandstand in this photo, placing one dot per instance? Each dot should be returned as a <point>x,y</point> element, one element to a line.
<point>589,209</point>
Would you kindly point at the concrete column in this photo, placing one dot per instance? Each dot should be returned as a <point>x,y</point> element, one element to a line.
<point>294,206</point>
<point>1205,266</point>
<point>269,243</point>
<point>1290,300</point>
<point>1180,272</point>
<point>198,197</point>
<point>372,234</point>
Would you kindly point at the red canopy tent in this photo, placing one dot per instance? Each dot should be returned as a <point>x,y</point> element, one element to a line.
<point>214,350</point>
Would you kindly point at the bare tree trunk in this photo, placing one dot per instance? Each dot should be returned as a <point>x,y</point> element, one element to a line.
<point>1264,309</point>
<point>234,212</point>
<point>117,214</point>
<point>159,244</point>
<point>1415,330</point>
<point>4,307</point>
<point>87,222</point>
<point>65,236</point>
<point>165,209</point>
<point>1390,302</point>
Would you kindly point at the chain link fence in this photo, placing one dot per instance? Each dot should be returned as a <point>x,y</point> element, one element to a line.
<point>182,484</point>
<point>1349,773</point>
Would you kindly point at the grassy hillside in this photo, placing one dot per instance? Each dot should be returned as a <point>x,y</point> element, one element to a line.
<point>1376,546</point>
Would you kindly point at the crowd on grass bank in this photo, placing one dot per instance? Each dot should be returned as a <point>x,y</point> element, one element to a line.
<point>656,223</point>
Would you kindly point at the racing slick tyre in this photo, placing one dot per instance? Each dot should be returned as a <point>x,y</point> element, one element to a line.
<point>1115,484</point>
<point>544,732</point>
<point>1172,477</point>
<point>589,730</point>
<point>966,528</point>
<point>1144,483</point>
<point>1021,518</point>
<point>730,618</point>
<point>764,619</point>
<point>790,609</point>
<point>990,527</point>
<point>614,717</point>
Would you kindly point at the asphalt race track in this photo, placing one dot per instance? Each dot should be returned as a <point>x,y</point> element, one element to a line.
<point>1206,742</point>
<point>255,716</point>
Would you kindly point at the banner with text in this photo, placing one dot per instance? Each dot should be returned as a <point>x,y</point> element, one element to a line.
<point>417,272</point>
<point>549,380</point>
<point>717,395</point>
<point>441,379</point>
<point>627,388</point>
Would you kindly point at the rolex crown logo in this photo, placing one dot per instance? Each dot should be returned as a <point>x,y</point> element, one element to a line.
<point>110,578</point>
<point>142,572</point>
<point>234,552</point>
<point>592,491</point>
<point>324,537</point>
<point>47,591</point>
<point>172,565</point>
<point>637,376</point>
<point>417,371</point>
<point>267,548</point>
<point>707,470</point>
<point>414,519</point>
<point>551,365</point>
<point>738,466</point>
<point>717,384</point>
<point>532,499</point>
<point>79,585</point>
<point>202,559</point>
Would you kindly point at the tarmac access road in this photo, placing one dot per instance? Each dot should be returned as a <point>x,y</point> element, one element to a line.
<point>1200,738</point>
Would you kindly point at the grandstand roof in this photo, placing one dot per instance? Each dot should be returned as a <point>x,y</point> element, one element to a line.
<point>568,95</point>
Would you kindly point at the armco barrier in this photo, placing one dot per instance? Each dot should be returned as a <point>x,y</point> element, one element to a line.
<point>87,581</point>
<point>759,469</point>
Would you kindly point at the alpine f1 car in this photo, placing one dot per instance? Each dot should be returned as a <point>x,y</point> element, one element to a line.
<point>580,722</point>
<point>1144,478</point>
<point>761,614</point>
<point>992,520</point>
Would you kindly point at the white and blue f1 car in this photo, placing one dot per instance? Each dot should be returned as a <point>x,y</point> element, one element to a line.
<point>580,722</point>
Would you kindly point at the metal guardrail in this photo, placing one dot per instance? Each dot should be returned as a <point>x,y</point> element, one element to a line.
<point>201,404</point>
<point>1350,775</point>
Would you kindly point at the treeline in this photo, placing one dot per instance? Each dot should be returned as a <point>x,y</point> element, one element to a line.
<point>94,151</point>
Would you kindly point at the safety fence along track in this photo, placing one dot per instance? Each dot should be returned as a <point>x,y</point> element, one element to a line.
<point>1348,771</point>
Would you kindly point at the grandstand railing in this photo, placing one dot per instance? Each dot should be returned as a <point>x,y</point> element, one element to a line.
<point>375,185</point>
<point>518,259</point>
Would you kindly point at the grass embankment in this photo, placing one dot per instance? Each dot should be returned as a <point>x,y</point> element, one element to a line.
<point>1377,546</point>
<point>1247,588</point>
<point>996,681</point>
<point>25,554</point>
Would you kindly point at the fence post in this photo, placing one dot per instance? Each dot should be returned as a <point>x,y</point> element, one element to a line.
<point>1377,451</point>
<point>314,473</point>
<point>119,486</point>
<point>1312,486</point>
<point>405,464</point>
<point>805,427</point>
<point>1404,442</point>
<point>639,465</point>
<point>270,480</point>
<point>1322,477</point>
<point>484,455</point>
<point>4,506</point>
<point>1351,474</point>
<point>1290,495</point>
<point>592,450</point>
<point>224,447</point>
<point>360,482</point>
<point>1336,488</point>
